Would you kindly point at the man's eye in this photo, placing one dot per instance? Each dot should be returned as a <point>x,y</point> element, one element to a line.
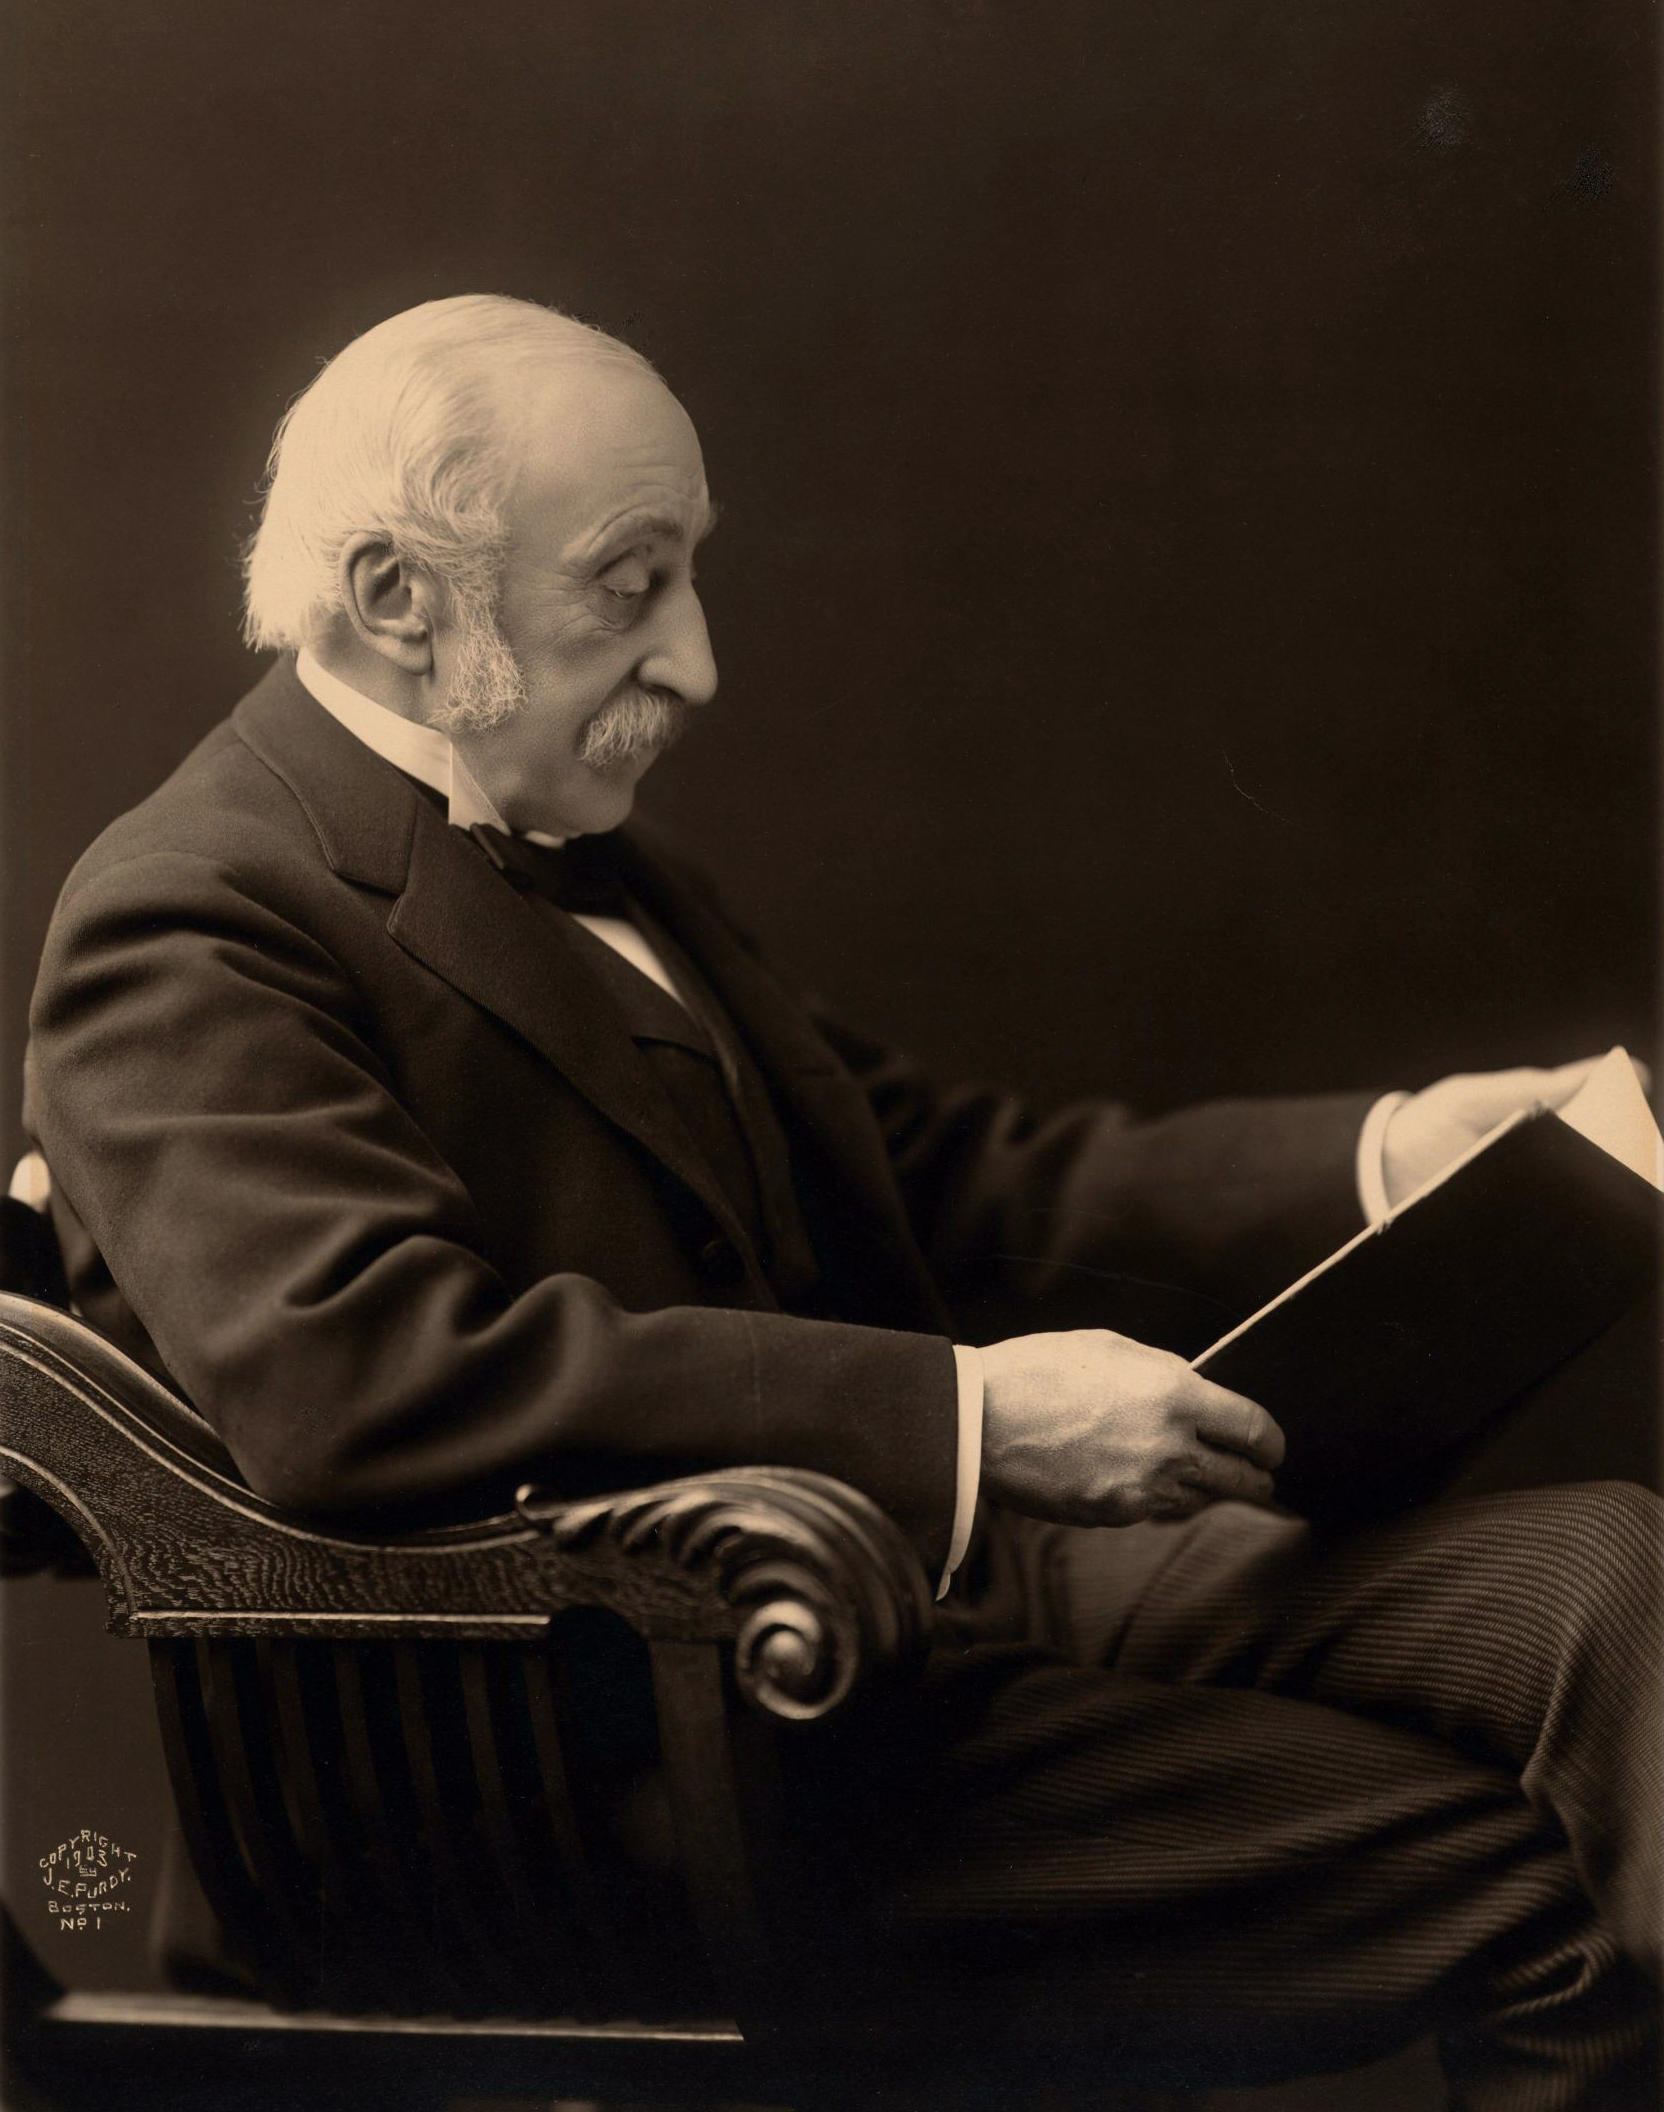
<point>626,582</point>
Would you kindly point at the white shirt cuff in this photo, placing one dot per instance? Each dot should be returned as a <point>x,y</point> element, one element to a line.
<point>1371,1161</point>
<point>969,1479</point>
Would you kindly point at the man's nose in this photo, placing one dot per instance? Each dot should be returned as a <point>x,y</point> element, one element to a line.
<point>680,659</point>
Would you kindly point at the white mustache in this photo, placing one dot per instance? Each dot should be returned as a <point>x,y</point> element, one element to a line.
<point>641,722</point>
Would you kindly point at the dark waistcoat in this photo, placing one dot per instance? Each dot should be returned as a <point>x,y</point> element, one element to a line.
<point>713,1082</point>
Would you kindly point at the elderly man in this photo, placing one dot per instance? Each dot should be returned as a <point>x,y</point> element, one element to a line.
<point>432,1131</point>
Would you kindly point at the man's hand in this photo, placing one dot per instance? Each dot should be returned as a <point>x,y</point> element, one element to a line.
<point>1438,1125</point>
<point>1091,1429</point>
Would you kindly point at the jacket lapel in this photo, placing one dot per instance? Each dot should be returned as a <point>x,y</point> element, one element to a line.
<point>462,919</point>
<point>454,912</point>
<point>812,1085</point>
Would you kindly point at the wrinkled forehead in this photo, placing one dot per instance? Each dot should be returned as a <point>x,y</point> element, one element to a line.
<point>600,444</point>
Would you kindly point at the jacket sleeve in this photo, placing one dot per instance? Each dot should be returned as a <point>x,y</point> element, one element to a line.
<point>208,1093</point>
<point>1170,1228</point>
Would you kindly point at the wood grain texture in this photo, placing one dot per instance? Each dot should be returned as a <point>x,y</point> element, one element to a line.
<point>813,1586</point>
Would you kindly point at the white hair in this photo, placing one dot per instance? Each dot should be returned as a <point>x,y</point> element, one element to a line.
<point>406,433</point>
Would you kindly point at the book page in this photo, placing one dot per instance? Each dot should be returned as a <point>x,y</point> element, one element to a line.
<point>1611,1110</point>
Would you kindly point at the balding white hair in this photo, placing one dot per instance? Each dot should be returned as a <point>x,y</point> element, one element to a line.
<point>408,433</point>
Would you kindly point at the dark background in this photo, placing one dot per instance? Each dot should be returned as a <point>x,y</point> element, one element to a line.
<point>1187,597</point>
<point>1187,593</point>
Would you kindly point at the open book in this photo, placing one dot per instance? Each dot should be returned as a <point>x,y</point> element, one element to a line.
<point>1381,1361</point>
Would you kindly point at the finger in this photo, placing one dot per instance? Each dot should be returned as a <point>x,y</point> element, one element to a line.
<point>1556,1087</point>
<point>1226,1474</point>
<point>1237,1424</point>
<point>1177,1498</point>
<point>1481,1099</point>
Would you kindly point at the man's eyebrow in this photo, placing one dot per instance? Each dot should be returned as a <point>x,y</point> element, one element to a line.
<point>642,527</point>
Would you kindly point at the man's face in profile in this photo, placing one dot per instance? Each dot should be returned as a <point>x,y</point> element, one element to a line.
<point>599,650</point>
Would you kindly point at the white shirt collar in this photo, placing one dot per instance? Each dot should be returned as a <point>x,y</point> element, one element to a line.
<point>421,752</point>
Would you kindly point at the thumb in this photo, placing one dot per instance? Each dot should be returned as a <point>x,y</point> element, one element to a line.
<point>1494,1095</point>
<point>1556,1087</point>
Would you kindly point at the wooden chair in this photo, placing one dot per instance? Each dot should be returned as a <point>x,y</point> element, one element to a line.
<point>386,1766</point>
<point>394,1758</point>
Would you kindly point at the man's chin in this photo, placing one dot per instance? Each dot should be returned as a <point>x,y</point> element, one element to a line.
<point>587,803</point>
<point>593,797</point>
<point>603,798</point>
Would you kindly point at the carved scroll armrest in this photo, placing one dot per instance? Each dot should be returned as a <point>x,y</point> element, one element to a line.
<point>814,1586</point>
<point>823,1589</point>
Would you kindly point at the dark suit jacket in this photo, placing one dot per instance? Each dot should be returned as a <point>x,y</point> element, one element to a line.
<point>348,1137</point>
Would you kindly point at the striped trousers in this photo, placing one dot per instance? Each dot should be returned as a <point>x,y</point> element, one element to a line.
<point>1228,1802</point>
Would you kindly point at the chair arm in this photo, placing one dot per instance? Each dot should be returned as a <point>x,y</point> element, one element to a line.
<point>815,1587</point>
<point>820,1589</point>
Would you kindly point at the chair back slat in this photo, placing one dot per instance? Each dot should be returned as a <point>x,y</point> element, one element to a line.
<point>345,1962</point>
<point>711,1829</point>
<point>594,1937</point>
<point>543,1926</point>
<point>450,1894</point>
<point>430,1708</point>
<point>243,1736</point>
<point>393,1891</point>
<point>206,1823</point>
<point>296,1771</point>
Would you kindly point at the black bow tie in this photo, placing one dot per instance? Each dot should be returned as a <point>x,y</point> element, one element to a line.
<point>580,877</point>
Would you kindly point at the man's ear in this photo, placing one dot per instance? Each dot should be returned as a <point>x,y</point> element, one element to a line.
<point>392,605</point>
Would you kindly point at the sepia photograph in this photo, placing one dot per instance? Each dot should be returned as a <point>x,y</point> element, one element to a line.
<point>828,1056</point>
